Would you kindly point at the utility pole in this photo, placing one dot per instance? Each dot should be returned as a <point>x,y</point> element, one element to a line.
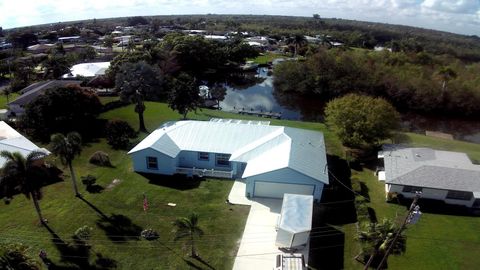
<point>413,208</point>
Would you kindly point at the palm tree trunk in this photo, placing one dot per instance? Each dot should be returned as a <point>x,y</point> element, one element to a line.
<point>37,207</point>
<point>367,265</point>
<point>74,180</point>
<point>194,254</point>
<point>141,122</point>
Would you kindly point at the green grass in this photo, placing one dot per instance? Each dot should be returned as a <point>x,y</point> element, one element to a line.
<point>438,241</point>
<point>223,224</point>
<point>266,58</point>
<point>3,99</point>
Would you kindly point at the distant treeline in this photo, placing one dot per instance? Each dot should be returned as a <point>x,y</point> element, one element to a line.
<point>352,33</point>
<point>419,82</point>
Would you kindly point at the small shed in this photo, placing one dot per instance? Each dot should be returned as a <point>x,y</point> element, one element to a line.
<point>295,221</point>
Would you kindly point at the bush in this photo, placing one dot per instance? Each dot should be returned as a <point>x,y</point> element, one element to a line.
<point>17,256</point>
<point>101,159</point>
<point>119,133</point>
<point>149,234</point>
<point>83,233</point>
<point>89,180</point>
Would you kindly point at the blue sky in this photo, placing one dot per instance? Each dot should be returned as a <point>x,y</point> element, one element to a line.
<point>459,16</point>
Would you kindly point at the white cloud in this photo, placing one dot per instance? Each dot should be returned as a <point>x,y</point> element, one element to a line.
<point>461,16</point>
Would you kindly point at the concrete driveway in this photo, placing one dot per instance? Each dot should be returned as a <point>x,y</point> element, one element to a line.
<point>257,248</point>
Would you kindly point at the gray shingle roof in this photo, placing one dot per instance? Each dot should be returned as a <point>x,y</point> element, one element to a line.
<point>31,92</point>
<point>425,167</point>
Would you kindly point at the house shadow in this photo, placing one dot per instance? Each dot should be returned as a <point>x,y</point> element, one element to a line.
<point>177,181</point>
<point>337,205</point>
<point>119,228</point>
<point>76,255</point>
<point>439,207</point>
<point>326,245</point>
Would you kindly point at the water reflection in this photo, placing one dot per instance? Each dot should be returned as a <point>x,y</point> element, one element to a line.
<point>254,91</point>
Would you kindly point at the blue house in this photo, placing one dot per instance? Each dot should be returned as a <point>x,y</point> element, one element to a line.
<point>272,160</point>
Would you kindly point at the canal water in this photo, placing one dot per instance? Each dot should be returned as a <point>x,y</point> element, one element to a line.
<point>262,97</point>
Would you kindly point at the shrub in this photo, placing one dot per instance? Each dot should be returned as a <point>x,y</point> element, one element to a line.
<point>83,233</point>
<point>149,234</point>
<point>101,159</point>
<point>89,180</point>
<point>119,133</point>
<point>17,256</point>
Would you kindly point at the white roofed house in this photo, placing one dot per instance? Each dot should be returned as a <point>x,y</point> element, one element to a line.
<point>87,70</point>
<point>272,160</point>
<point>440,175</point>
<point>12,141</point>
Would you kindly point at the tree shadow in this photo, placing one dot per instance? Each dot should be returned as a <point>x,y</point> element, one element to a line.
<point>94,188</point>
<point>76,255</point>
<point>192,265</point>
<point>198,258</point>
<point>180,182</point>
<point>94,207</point>
<point>119,228</point>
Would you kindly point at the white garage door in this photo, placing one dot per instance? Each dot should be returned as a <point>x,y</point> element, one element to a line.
<point>276,190</point>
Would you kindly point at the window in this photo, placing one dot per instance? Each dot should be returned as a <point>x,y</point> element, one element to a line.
<point>411,189</point>
<point>222,160</point>
<point>152,163</point>
<point>203,156</point>
<point>459,195</point>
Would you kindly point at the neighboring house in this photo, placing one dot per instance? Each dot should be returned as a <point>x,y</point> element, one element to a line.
<point>12,141</point>
<point>87,70</point>
<point>272,160</point>
<point>40,48</point>
<point>30,93</point>
<point>441,175</point>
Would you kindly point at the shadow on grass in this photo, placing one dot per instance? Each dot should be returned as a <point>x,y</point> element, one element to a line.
<point>326,245</point>
<point>202,266</point>
<point>76,255</point>
<point>94,189</point>
<point>180,182</point>
<point>119,228</point>
<point>440,207</point>
<point>94,208</point>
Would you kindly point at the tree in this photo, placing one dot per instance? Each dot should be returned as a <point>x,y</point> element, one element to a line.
<point>218,93</point>
<point>360,120</point>
<point>297,41</point>
<point>66,148</point>
<point>184,95</point>
<point>187,227</point>
<point>24,175</point>
<point>377,237</point>
<point>16,257</point>
<point>138,82</point>
<point>61,110</point>
<point>446,74</point>
<point>55,66</point>
<point>119,133</point>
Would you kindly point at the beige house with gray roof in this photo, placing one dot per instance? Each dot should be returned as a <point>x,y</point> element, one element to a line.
<point>439,175</point>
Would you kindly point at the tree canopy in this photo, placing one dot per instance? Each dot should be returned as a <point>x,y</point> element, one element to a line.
<point>361,121</point>
<point>184,95</point>
<point>61,110</point>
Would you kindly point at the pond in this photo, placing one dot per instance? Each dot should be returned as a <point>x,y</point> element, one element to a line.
<point>262,97</point>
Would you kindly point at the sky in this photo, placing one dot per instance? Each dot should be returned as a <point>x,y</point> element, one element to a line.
<point>458,16</point>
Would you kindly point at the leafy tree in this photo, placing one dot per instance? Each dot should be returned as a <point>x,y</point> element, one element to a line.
<point>25,175</point>
<point>88,53</point>
<point>297,41</point>
<point>137,20</point>
<point>16,257</point>
<point>22,39</point>
<point>218,93</point>
<point>446,74</point>
<point>377,237</point>
<point>126,57</point>
<point>108,41</point>
<point>66,148</point>
<point>119,133</point>
<point>361,120</point>
<point>137,82</point>
<point>184,95</point>
<point>62,110</point>
<point>55,66</point>
<point>187,227</point>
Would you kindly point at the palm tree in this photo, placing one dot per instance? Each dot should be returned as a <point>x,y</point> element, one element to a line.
<point>447,74</point>
<point>24,175</point>
<point>377,237</point>
<point>67,148</point>
<point>297,41</point>
<point>187,227</point>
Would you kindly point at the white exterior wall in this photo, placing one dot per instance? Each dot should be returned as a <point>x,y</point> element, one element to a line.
<point>430,193</point>
<point>285,175</point>
<point>166,164</point>
<point>286,239</point>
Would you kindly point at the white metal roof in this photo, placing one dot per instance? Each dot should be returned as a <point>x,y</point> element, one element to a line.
<point>263,147</point>
<point>88,70</point>
<point>12,141</point>
<point>296,213</point>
